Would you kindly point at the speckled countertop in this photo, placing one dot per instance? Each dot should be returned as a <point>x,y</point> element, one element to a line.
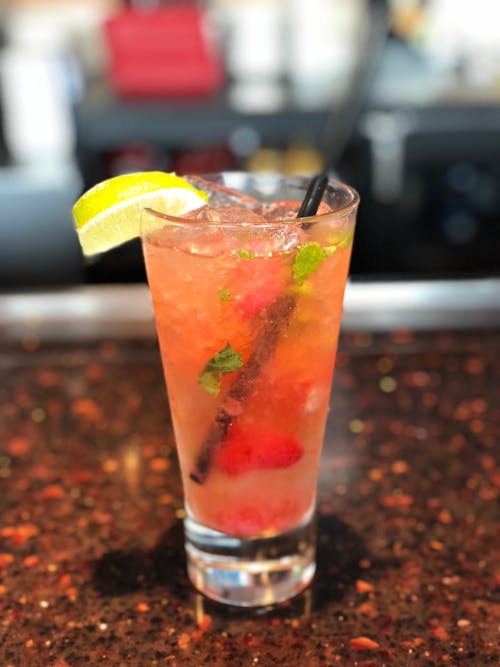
<point>91,550</point>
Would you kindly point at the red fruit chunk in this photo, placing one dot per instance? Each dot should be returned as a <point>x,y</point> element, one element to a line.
<point>243,452</point>
<point>258,284</point>
<point>253,302</point>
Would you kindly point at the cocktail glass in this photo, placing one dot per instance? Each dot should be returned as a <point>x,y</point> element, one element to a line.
<point>247,300</point>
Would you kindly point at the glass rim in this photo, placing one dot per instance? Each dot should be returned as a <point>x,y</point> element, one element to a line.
<point>301,181</point>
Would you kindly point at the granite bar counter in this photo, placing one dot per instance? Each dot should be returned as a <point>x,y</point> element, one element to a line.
<point>92,568</point>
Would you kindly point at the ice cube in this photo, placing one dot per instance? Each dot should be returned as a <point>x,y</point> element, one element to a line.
<point>281,210</point>
<point>251,232</point>
<point>221,196</point>
<point>287,210</point>
<point>237,214</point>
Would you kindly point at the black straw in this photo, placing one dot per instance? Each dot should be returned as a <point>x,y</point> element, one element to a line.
<point>313,197</point>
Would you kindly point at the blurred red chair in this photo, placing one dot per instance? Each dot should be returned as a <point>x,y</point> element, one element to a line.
<point>165,51</point>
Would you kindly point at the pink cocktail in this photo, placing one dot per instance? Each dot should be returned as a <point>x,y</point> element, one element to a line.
<point>248,302</point>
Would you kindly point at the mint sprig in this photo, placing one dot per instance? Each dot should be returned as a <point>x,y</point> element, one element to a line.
<point>347,240</point>
<point>225,361</point>
<point>307,260</point>
<point>246,254</point>
<point>310,256</point>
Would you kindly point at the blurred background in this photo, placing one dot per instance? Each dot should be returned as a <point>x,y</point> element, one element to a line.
<point>400,98</point>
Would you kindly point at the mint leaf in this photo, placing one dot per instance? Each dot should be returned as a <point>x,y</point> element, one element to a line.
<point>307,260</point>
<point>246,254</point>
<point>347,240</point>
<point>225,361</point>
<point>210,382</point>
<point>339,241</point>
<point>224,293</point>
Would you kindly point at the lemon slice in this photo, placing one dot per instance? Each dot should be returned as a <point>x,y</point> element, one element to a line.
<point>109,214</point>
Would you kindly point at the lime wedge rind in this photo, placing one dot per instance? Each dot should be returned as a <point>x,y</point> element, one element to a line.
<point>109,214</point>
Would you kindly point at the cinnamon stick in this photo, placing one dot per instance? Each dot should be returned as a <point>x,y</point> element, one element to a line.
<point>277,318</point>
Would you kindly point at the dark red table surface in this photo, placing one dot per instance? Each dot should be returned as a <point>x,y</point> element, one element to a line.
<point>92,568</point>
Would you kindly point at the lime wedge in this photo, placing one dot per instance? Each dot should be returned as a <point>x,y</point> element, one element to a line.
<point>109,214</point>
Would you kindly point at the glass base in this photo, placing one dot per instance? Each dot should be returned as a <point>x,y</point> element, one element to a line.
<point>250,572</point>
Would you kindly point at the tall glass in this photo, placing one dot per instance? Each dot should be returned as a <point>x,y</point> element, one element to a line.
<point>248,314</point>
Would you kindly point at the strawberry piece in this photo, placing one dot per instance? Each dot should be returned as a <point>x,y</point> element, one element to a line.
<point>258,284</point>
<point>243,452</point>
<point>253,302</point>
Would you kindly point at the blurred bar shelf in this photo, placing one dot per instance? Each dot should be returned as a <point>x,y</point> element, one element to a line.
<point>106,122</point>
<point>109,123</point>
<point>125,311</point>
